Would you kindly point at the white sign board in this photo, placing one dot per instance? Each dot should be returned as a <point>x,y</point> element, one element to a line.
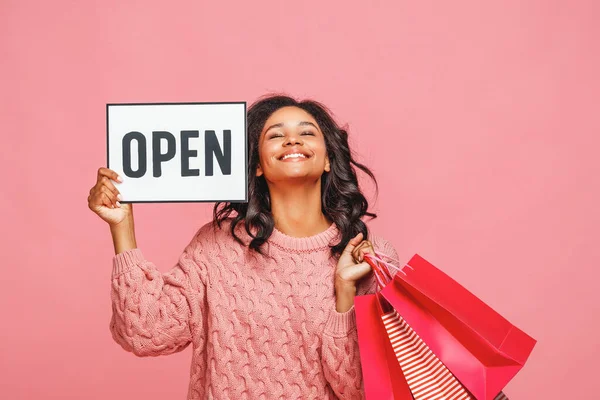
<point>179,152</point>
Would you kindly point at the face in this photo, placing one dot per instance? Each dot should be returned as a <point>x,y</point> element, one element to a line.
<point>291,146</point>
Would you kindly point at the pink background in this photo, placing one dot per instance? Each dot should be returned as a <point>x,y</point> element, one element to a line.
<point>481,122</point>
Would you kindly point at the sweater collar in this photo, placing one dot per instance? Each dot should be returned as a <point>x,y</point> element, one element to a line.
<point>319,241</point>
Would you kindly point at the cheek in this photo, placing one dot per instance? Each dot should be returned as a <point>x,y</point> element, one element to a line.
<point>321,149</point>
<point>265,153</point>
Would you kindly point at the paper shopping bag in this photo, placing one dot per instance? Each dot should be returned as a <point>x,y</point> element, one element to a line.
<point>480,347</point>
<point>427,377</point>
<point>382,376</point>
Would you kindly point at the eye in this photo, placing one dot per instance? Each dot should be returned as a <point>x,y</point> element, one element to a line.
<point>274,135</point>
<point>308,133</point>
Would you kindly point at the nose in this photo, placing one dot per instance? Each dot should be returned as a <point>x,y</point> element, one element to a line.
<point>293,139</point>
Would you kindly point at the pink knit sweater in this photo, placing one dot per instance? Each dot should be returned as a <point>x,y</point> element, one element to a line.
<point>260,326</point>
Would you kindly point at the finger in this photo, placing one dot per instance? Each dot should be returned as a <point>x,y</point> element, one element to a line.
<point>96,198</point>
<point>111,196</point>
<point>109,173</point>
<point>359,251</point>
<point>367,248</point>
<point>355,253</point>
<point>356,272</point>
<point>106,201</point>
<point>107,183</point>
<point>94,193</point>
<point>353,242</point>
<point>100,199</point>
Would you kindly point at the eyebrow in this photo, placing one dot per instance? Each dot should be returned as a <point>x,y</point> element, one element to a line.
<point>301,123</point>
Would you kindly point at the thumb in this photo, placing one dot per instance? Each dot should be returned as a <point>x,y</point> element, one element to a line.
<point>352,243</point>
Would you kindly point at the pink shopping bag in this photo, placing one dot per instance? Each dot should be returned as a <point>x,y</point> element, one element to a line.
<point>382,376</point>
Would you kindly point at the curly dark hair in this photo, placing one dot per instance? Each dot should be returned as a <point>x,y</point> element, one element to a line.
<point>341,200</point>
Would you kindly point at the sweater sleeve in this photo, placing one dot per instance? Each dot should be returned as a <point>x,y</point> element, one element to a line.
<point>152,311</point>
<point>340,354</point>
<point>340,357</point>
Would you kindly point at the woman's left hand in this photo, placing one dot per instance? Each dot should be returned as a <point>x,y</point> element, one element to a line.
<point>350,269</point>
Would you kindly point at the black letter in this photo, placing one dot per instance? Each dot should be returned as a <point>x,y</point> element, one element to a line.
<point>186,153</point>
<point>157,156</point>
<point>212,146</point>
<point>141,139</point>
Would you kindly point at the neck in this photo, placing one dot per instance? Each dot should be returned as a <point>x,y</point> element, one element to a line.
<point>297,210</point>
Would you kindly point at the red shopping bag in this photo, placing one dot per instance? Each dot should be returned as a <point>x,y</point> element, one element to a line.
<point>481,348</point>
<point>382,376</point>
<point>427,377</point>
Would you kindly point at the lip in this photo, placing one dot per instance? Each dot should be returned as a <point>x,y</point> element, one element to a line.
<point>294,151</point>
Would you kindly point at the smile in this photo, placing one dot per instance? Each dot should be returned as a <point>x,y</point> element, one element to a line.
<point>293,156</point>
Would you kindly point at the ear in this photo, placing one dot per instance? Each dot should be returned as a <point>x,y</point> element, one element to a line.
<point>259,170</point>
<point>327,165</point>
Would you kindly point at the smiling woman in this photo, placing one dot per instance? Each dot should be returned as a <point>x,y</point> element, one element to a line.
<point>320,188</point>
<point>292,141</point>
<point>264,292</point>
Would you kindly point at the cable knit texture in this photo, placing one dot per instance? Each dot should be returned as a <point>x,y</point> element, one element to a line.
<point>260,326</point>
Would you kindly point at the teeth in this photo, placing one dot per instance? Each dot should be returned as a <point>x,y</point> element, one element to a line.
<point>295,155</point>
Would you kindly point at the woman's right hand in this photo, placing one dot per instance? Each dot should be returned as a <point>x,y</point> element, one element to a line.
<point>104,198</point>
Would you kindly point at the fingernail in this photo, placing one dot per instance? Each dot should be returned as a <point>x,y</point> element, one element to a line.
<point>118,204</point>
<point>119,196</point>
<point>119,179</point>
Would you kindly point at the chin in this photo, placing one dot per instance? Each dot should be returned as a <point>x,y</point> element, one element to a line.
<point>300,177</point>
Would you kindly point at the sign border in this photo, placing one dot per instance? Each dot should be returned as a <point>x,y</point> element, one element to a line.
<point>188,103</point>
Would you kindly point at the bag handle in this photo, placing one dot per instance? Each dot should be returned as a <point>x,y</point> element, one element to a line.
<point>382,274</point>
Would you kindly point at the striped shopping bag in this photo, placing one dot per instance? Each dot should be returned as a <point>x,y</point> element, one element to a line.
<point>425,374</point>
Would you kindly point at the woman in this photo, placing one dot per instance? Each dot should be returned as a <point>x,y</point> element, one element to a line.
<point>265,291</point>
